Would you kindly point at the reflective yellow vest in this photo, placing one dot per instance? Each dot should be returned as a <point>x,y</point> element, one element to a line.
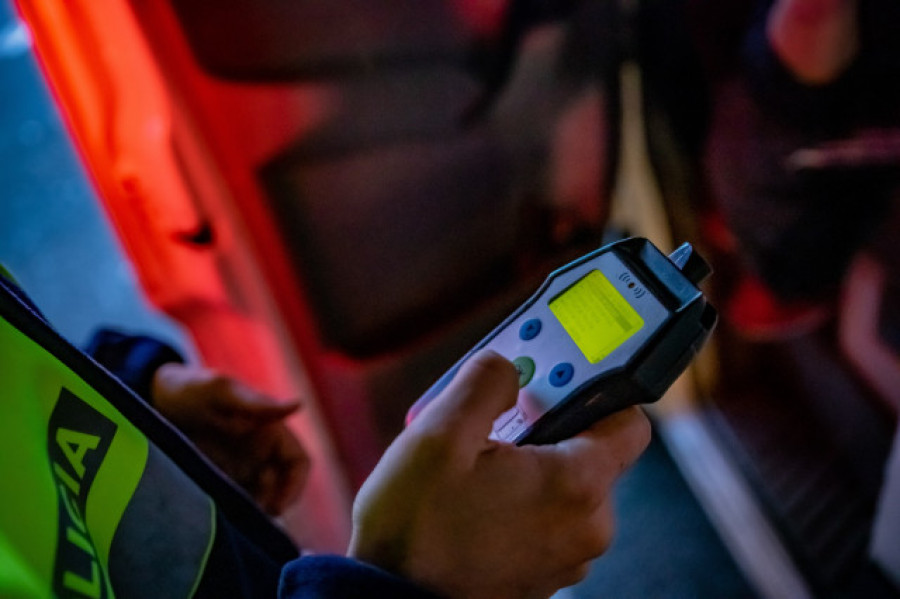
<point>103,498</point>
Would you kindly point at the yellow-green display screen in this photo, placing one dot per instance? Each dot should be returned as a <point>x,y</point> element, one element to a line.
<point>597,317</point>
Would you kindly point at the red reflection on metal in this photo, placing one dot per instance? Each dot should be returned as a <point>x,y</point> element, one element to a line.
<point>116,107</point>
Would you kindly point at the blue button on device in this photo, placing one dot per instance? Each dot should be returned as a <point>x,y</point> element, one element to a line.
<point>561,374</point>
<point>530,329</point>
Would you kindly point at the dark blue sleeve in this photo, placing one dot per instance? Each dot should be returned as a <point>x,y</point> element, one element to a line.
<point>133,359</point>
<point>334,577</point>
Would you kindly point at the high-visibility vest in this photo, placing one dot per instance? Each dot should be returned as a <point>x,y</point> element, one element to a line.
<point>100,497</point>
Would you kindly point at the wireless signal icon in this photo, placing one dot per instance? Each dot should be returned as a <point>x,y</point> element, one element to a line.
<point>626,278</point>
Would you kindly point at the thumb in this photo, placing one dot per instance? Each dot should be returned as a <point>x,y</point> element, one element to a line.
<point>485,386</point>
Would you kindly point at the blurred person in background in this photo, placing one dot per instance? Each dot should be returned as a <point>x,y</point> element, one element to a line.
<point>809,74</point>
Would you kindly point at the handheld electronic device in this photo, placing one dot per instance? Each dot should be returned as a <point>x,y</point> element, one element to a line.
<point>614,328</point>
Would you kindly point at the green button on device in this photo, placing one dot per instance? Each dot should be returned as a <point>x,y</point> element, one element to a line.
<point>525,368</point>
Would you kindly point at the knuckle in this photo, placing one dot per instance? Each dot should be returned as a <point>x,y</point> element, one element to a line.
<point>644,431</point>
<point>579,488</point>
<point>594,535</point>
<point>574,575</point>
<point>219,384</point>
<point>599,540</point>
<point>633,436</point>
<point>433,447</point>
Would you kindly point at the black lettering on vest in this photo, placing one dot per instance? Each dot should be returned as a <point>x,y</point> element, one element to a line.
<point>78,439</point>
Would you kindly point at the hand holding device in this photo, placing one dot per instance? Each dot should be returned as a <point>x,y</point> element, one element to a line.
<point>472,517</point>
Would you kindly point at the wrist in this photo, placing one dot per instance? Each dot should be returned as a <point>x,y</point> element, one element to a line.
<point>346,577</point>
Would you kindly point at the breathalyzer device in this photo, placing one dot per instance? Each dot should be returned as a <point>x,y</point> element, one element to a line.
<point>614,328</point>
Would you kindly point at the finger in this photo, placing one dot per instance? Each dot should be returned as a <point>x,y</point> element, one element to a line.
<point>576,551</point>
<point>598,532</point>
<point>601,453</point>
<point>240,400</point>
<point>265,490</point>
<point>194,396</point>
<point>581,534</point>
<point>271,411</point>
<point>485,386</point>
<point>274,466</point>
<point>292,466</point>
<point>567,578</point>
